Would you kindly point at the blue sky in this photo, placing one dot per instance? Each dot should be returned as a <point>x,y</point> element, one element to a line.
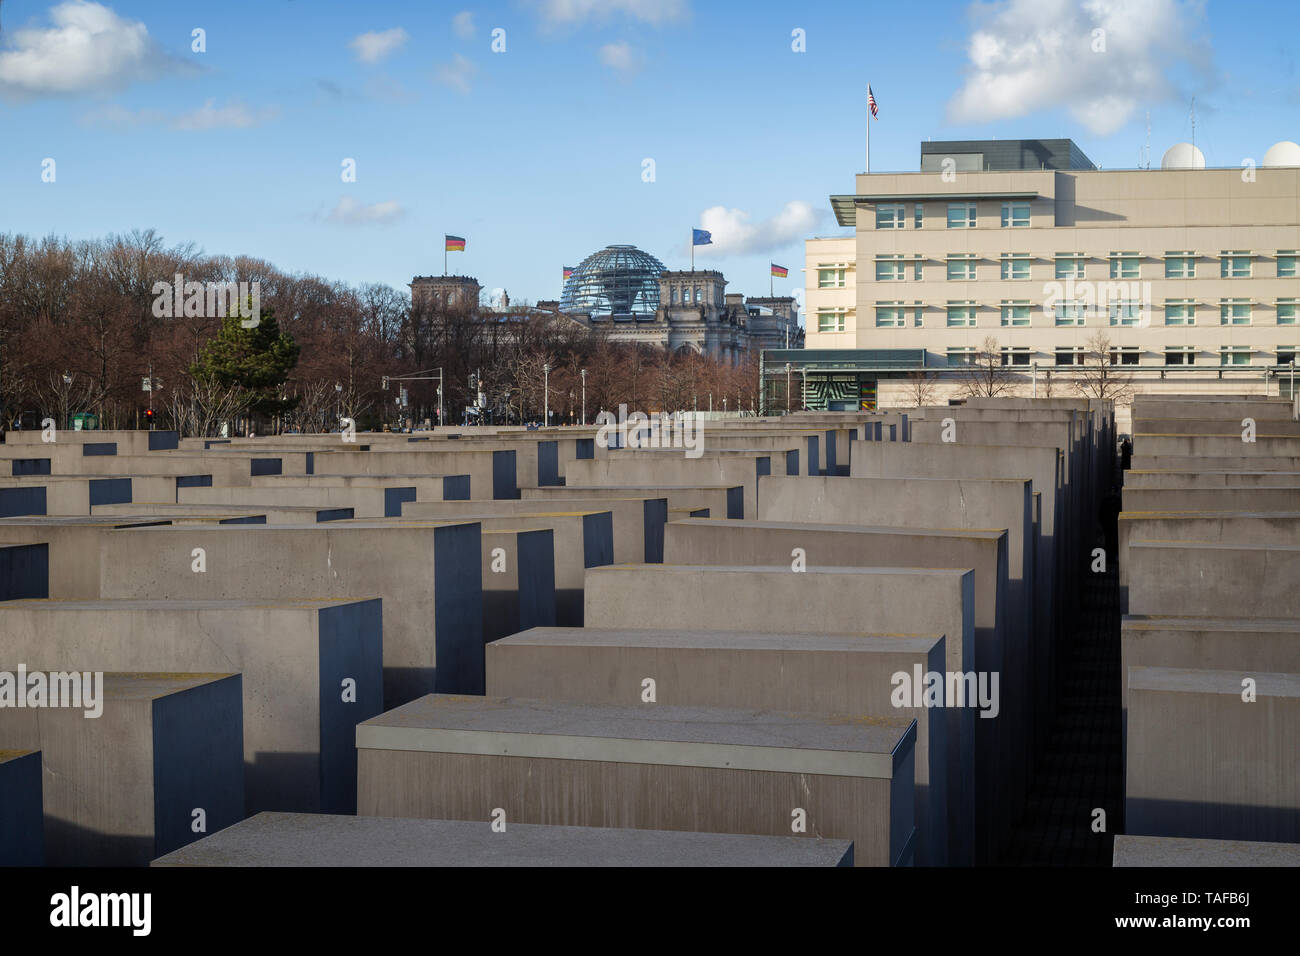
<point>536,154</point>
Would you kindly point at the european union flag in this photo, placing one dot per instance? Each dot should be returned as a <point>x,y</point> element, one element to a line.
<point>701,237</point>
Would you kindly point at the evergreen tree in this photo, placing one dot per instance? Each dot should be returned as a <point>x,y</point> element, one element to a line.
<point>256,360</point>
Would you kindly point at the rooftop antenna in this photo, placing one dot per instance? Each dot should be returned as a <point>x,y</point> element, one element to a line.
<point>1146,150</point>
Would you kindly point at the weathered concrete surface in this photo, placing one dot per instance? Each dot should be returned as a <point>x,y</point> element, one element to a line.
<point>492,473</point>
<point>1229,462</point>
<point>647,767</point>
<point>1194,579</point>
<point>1237,777</point>
<point>22,824</point>
<point>400,487</point>
<point>804,673</point>
<point>1210,479</point>
<point>821,601</point>
<point>312,670</point>
<point>75,496</point>
<point>428,576</point>
<point>122,788</point>
<point>301,839</point>
<point>1173,851</point>
<point>72,548</point>
<point>1212,499</point>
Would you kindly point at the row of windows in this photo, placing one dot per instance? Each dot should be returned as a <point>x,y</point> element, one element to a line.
<point>699,296</point>
<point>1069,265</point>
<point>961,215</point>
<point>1173,355</point>
<point>1066,313</point>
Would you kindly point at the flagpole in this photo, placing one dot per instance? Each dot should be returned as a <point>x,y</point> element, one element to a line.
<point>868,128</point>
<point>692,250</point>
<point>444,255</point>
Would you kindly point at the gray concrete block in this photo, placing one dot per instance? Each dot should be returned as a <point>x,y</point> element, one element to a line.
<point>125,787</point>
<point>301,839</point>
<point>822,601</point>
<point>804,673</point>
<point>1203,762</point>
<point>646,767</point>
<point>428,575</point>
<point>1208,579</point>
<point>294,655</point>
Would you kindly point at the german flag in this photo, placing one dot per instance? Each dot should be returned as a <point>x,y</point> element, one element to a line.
<point>454,244</point>
<point>568,271</point>
<point>779,271</point>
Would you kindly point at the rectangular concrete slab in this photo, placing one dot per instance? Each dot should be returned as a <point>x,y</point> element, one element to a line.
<point>22,826</point>
<point>1175,851</point>
<point>812,673</point>
<point>312,670</point>
<point>647,767</point>
<point>1204,761</point>
<point>302,839</point>
<point>129,785</point>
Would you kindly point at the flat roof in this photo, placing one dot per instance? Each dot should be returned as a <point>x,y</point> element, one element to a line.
<point>846,205</point>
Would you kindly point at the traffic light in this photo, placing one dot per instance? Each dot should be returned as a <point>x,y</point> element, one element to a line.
<point>148,417</point>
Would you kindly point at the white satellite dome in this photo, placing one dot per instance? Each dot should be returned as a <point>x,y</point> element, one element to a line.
<point>1183,156</point>
<point>1285,153</point>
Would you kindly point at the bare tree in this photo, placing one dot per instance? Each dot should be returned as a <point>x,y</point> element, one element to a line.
<point>921,387</point>
<point>985,376</point>
<point>1099,376</point>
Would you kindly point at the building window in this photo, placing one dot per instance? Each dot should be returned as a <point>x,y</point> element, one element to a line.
<point>1125,312</point>
<point>961,316</point>
<point>697,294</point>
<point>830,278</point>
<point>1015,265</point>
<point>1286,311</point>
<point>890,315</point>
<point>961,267</point>
<point>1234,312</point>
<point>961,215</point>
<point>1015,356</point>
<point>830,320</point>
<point>1069,356</point>
<point>890,269</point>
<point>1125,355</point>
<point>1234,265</point>
<point>1015,214</point>
<point>916,268</point>
<point>673,296</point>
<point>961,356</point>
<point>1180,265</point>
<point>1180,312</point>
<point>1069,312</point>
<point>1234,355</point>
<point>1286,263</point>
<point>1286,354</point>
<point>1015,313</point>
<point>1125,265</point>
<point>916,315</point>
<point>1069,265</point>
<point>920,215</point>
<point>890,216</point>
<point>1180,355</point>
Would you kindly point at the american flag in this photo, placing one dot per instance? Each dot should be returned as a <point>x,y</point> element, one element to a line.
<point>871,102</point>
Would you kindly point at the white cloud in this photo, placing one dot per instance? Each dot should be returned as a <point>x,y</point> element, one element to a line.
<point>457,74</point>
<point>1032,55</point>
<point>376,45</point>
<point>89,47</point>
<point>463,24</point>
<point>234,116</point>
<point>619,56</point>
<point>574,12</point>
<point>734,233</point>
<point>349,212</point>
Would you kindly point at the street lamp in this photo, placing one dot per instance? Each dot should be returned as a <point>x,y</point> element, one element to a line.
<point>787,388</point>
<point>583,373</point>
<point>338,403</point>
<point>546,394</point>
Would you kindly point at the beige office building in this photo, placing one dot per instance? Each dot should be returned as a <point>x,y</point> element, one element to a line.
<point>1188,274</point>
